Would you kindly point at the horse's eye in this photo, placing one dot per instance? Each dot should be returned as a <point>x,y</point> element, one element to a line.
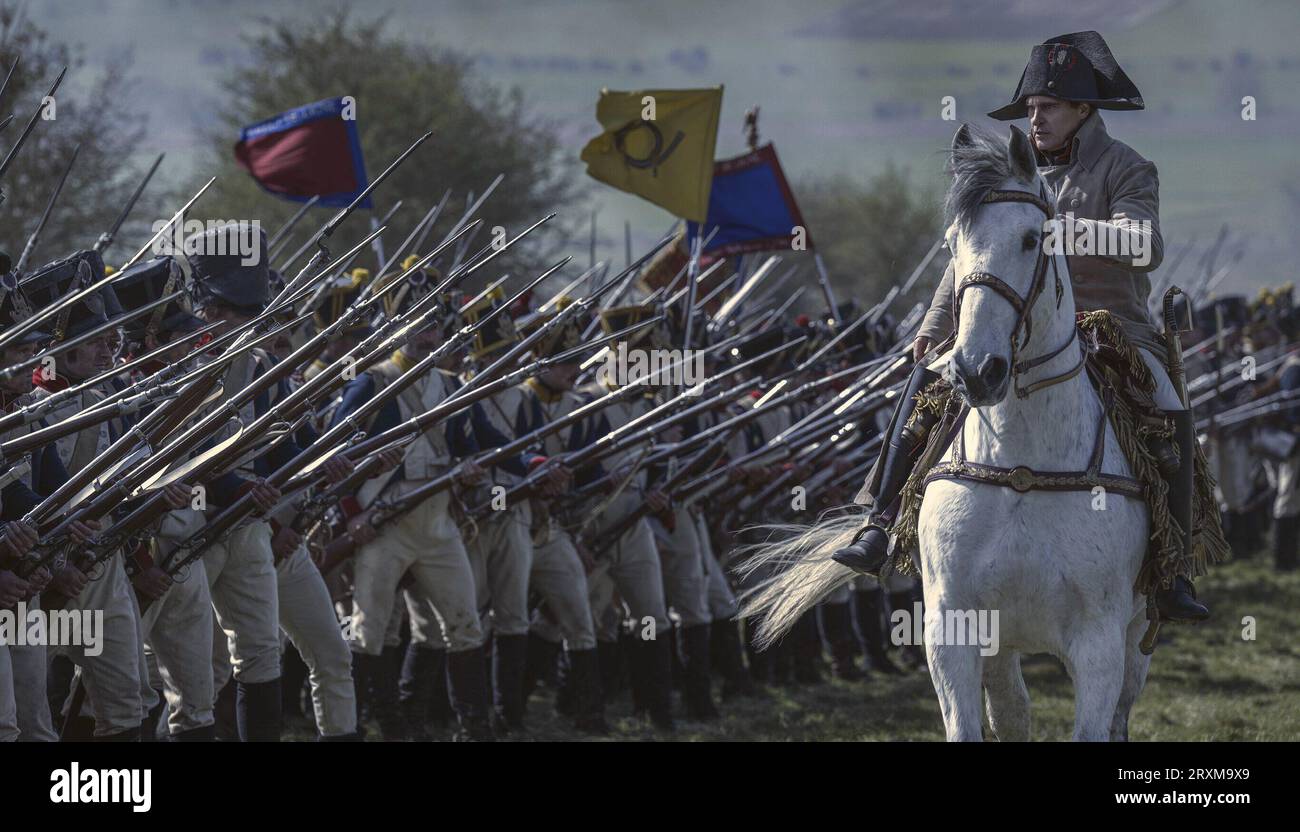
<point>1031,240</point>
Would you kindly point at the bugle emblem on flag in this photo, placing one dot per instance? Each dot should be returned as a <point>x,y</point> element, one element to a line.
<point>658,144</point>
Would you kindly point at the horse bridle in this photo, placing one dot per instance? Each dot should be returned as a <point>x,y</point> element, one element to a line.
<point>1024,306</point>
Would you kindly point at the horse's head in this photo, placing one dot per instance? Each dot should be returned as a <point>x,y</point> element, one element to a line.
<point>995,210</point>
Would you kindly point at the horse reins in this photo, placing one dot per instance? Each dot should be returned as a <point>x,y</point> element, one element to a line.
<point>1022,478</point>
<point>1024,306</point>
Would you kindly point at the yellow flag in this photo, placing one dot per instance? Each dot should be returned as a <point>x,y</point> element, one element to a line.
<point>658,144</point>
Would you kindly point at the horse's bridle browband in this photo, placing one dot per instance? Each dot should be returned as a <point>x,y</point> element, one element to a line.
<point>1024,306</point>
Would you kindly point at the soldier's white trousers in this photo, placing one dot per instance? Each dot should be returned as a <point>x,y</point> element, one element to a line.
<point>685,581</point>
<point>501,555</point>
<point>308,619</point>
<point>559,576</point>
<point>722,601</point>
<point>242,581</point>
<point>178,633</point>
<point>426,541</point>
<point>29,664</point>
<point>636,571</point>
<point>116,680</point>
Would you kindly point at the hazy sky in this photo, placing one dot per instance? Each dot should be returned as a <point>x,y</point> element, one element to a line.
<point>844,86</point>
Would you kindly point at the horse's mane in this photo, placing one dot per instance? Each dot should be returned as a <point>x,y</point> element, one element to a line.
<point>977,168</point>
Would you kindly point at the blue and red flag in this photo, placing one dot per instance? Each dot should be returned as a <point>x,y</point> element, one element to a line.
<point>751,205</point>
<point>308,151</point>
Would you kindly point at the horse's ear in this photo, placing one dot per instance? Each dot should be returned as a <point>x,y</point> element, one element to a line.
<point>962,138</point>
<point>1021,155</point>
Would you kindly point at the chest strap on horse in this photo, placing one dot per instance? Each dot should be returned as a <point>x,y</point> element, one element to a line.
<point>1023,479</point>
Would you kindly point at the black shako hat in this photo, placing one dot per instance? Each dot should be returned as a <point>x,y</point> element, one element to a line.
<point>149,281</point>
<point>228,266</point>
<point>1076,67</point>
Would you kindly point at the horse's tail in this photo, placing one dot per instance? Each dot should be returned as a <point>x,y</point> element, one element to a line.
<point>800,557</point>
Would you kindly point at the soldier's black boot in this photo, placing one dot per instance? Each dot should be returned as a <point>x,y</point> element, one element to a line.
<point>588,700</point>
<point>423,672</point>
<point>206,733</point>
<point>837,624</point>
<point>1285,542</point>
<point>908,600</point>
<point>470,698</point>
<point>257,710</point>
<point>129,735</point>
<point>806,650</point>
<point>697,688</point>
<point>657,678</point>
<point>868,606</point>
<point>539,664</point>
<point>223,712</point>
<point>1178,603</point>
<point>149,728</point>
<point>609,655</point>
<point>729,659</point>
<point>905,438</point>
<point>509,659</point>
<point>377,676</point>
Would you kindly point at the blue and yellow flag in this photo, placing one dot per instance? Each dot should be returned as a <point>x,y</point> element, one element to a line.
<point>658,144</point>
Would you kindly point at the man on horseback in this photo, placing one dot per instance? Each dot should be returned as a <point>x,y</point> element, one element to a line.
<point>1103,189</point>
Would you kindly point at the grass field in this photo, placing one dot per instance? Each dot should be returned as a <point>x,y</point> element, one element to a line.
<point>1206,683</point>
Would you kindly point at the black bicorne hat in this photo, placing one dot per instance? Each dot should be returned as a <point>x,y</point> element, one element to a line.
<point>1077,67</point>
<point>149,281</point>
<point>228,266</point>
<point>55,281</point>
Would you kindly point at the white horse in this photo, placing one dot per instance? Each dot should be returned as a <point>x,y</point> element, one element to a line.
<point>1059,567</point>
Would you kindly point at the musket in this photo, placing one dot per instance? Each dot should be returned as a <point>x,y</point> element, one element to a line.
<point>281,235</point>
<point>163,230</point>
<point>9,77</point>
<point>45,215</point>
<point>13,333</point>
<point>150,430</point>
<point>371,350</point>
<point>39,409</point>
<point>728,308</point>
<point>824,280</point>
<point>90,335</point>
<point>27,131</point>
<point>394,508</point>
<point>611,533</point>
<point>322,254</point>
<point>106,239</point>
<point>430,217</point>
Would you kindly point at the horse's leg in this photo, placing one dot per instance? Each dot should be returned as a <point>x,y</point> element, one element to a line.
<point>955,672</point>
<point>1135,676</point>
<point>1095,661</point>
<point>1008,698</point>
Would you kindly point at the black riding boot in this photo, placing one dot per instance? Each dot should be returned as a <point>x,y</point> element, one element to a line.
<point>869,607</point>
<point>905,437</point>
<point>588,701</point>
<point>424,671</point>
<point>1178,604</point>
<point>509,659</point>
<point>257,711</point>
<point>470,698</point>
<point>697,688</point>
<point>837,624</point>
<point>1285,542</point>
